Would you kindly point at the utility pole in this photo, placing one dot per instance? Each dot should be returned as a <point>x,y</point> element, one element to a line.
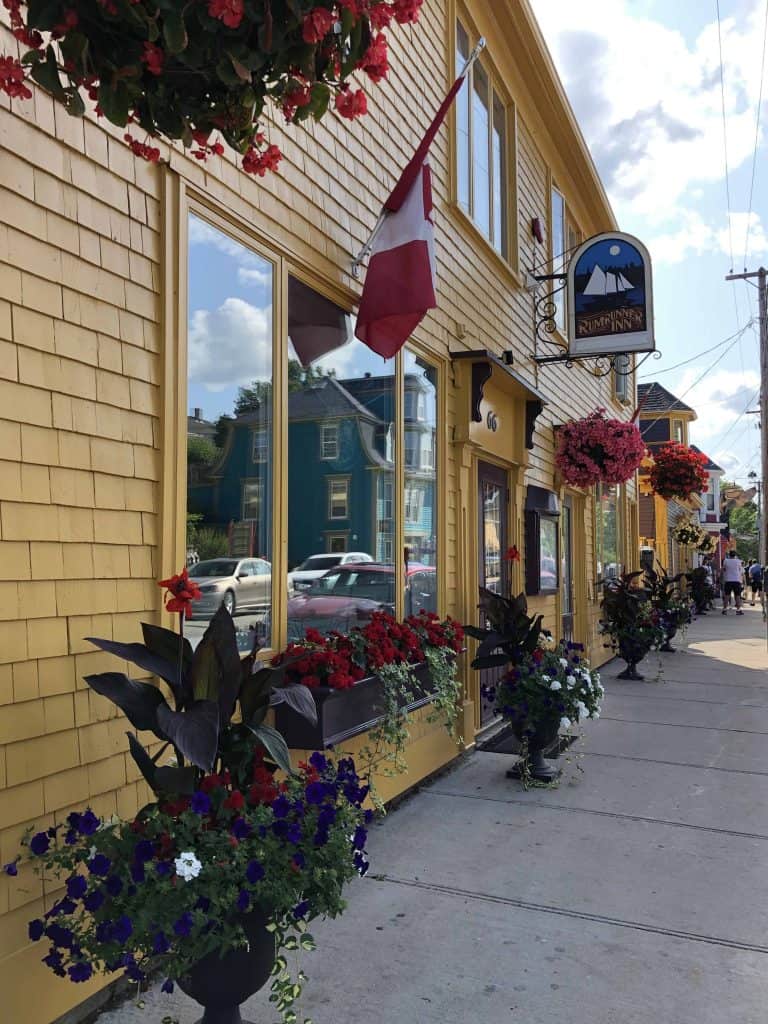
<point>762,293</point>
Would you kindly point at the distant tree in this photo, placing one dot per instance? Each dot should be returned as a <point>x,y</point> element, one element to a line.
<point>743,526</point>
<point>220,437</point>
<point>201,451</point>
<point>255,396</point>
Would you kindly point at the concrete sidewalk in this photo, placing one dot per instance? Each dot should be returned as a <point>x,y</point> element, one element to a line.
<point>634,892</point>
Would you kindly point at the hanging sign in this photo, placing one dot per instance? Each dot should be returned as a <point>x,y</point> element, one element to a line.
<point>610,297</point>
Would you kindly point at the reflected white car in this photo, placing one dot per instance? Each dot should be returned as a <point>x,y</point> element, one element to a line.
<point>237,583</point>
<point>312,568</point>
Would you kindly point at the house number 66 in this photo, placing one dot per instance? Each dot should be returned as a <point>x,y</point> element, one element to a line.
<point>492,422</point>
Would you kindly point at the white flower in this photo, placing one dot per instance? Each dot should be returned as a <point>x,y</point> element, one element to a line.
<point>92,852</point>
<point>595,714</point>
<point>581,709</point>
<point>571,681</point>
<point>555,685</point>
<point>565,723</point>
<point>564,662</point>
<point>188,866</point>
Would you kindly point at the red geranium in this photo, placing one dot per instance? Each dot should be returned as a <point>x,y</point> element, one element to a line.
<point>181,592</point>
<point>678,471</point>
<point>598,450</point>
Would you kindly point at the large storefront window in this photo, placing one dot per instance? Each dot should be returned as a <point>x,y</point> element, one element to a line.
<point>420,497</point>
<point>229,429</point>
<point>341,417</point>
<point>607,530</point>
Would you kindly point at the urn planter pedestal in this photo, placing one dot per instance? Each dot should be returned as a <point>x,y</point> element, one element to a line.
<point>534,765</point>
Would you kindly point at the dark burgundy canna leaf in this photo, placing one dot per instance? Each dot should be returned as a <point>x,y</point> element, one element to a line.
<point>140,702</point>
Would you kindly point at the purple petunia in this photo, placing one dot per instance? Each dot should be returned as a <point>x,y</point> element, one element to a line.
<point>137,873</point>
<point>114,885</point>
<point>76,887</point>
<point>80,971</point>
<point>89,823</point>
<point>167,986</point>
<point>318,761</point>
<point>254,872</point>
<point>11,869</point>
<point>160,943</point>
<point>281,806</point>
<point>163,868</point>
<point>201,803</point>
<point>359,838</point>
<point>143,851</point>
<point>36,930</point>
<point>243,901</point>
<point>94,900</point>
<point>240,828</point>
<point>123,929</point>
<point>100,865</point>
<point>39,843</point>
<point>183,926</point>
<point>301,910</point>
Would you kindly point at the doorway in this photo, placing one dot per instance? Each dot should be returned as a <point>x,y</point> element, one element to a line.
<point>566,574</point>
<point>493,567</point>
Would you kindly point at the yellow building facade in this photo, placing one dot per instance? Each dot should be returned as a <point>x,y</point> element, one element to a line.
<point>100,335</point>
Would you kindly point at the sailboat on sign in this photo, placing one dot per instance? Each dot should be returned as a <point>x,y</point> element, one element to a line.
<point>602,282</point>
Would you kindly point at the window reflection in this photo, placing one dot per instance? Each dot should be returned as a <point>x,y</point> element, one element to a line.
<point>420,497</point>
<point>608,564</point>
<point>341,412</point>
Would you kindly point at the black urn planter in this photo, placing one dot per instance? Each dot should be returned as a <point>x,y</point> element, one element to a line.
<point>221,983</point>
<point>533,764</point>
<point>342,714</point>
<point>633,654</point>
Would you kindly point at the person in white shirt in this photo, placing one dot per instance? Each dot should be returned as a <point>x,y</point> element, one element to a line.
<point>733,581</point>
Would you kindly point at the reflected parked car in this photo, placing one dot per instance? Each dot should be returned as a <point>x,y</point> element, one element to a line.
<point>347,596</point>
<point>312,568</point>
<point>237,583</point>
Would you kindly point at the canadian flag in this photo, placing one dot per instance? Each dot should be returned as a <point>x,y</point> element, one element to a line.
<point>400,283</point>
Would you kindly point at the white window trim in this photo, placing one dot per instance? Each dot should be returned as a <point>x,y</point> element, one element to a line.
<point>259,435</point>
<point>323,441</point>
<point>338,480</point>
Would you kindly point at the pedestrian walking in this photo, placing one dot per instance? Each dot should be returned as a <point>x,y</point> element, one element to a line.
<point>755,580</point>
<point>732,578</point>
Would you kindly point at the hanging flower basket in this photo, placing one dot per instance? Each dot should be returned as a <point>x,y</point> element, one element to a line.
<point>598,450</point>
<point>678,472</point>
<point>707,545</point>
<point>688,532</point>
<point>202,72</point>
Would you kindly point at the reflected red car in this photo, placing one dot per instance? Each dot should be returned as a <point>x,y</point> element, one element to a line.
<point>348,595</point>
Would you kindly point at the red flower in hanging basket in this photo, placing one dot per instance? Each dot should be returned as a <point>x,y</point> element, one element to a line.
<point>598,450</point>
<point>678,471</point>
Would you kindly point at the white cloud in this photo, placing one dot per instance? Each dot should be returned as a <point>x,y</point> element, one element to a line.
<point>723,430</point>
<point>649,103</point>
<point>252,269</point>
<point>692,235</point>
<point>231,345</point>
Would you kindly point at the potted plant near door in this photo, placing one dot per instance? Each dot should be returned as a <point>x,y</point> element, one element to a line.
<point>673,607</point>
<point>548,686</point>
<point>220,874</point>
<point>630,621</point>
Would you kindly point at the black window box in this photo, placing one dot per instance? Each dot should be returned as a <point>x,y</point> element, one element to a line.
<point>342,714</point>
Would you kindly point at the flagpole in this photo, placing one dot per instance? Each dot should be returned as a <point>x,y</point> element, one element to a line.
<point>366,250</point>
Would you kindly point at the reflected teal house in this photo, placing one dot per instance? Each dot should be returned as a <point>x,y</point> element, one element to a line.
<point>340,475</point>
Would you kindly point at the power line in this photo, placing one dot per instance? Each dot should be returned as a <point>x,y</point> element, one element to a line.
<point>757,134</point>
<point>736,335</point>
<point>720,438</point>
<point>700,378</point>
<point>725,132</point>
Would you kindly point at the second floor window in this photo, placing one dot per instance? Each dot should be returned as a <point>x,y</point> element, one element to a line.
<point>329,441</point>
<point>622,379</point>
<point>260,445</point>
<point>677,431</point>
<point>338,499</point>
<point>558,245</point>
<point>481,148</point>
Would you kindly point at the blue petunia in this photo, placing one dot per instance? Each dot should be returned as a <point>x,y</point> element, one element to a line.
<point>163,868</point>
<point>281,807</point>
<point>11,869</point>
<point>298,859</point>
<point>301,910</point>
<point>62,938</point>
<point>89,823</point>
<point>70,837</point>
<point>318,761</point>
<point>80,972</point>
<point>76,887</point>
<point>137,873</point>
<point>201,803</point>
<point>104,931</point>
<point>243,901</point>
<point>143,851</point>
<point>36,930</point>
<point>202,903</point>
<point>293,834</point>
<point>316,792</point>
<point>94,900</point>
<point>134,972</point>
<point>100,865</point>
<point>39,843</point>
<point>240,828</point>
<point>160,943</point>
<point>254,872</point>
<point>361,863</point>
<point>183,926</point>
<point>114,885</point>
<point>359,838</point>
<point>167,986</point>
<point>123,929</point>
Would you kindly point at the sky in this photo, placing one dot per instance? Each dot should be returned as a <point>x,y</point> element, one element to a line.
<point>644,79</point>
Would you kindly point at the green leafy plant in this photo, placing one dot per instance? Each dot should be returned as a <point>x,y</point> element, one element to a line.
<point>203,73</point>
<point>628,618</point>
<point>667,599</point>
<point>512,635</point>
